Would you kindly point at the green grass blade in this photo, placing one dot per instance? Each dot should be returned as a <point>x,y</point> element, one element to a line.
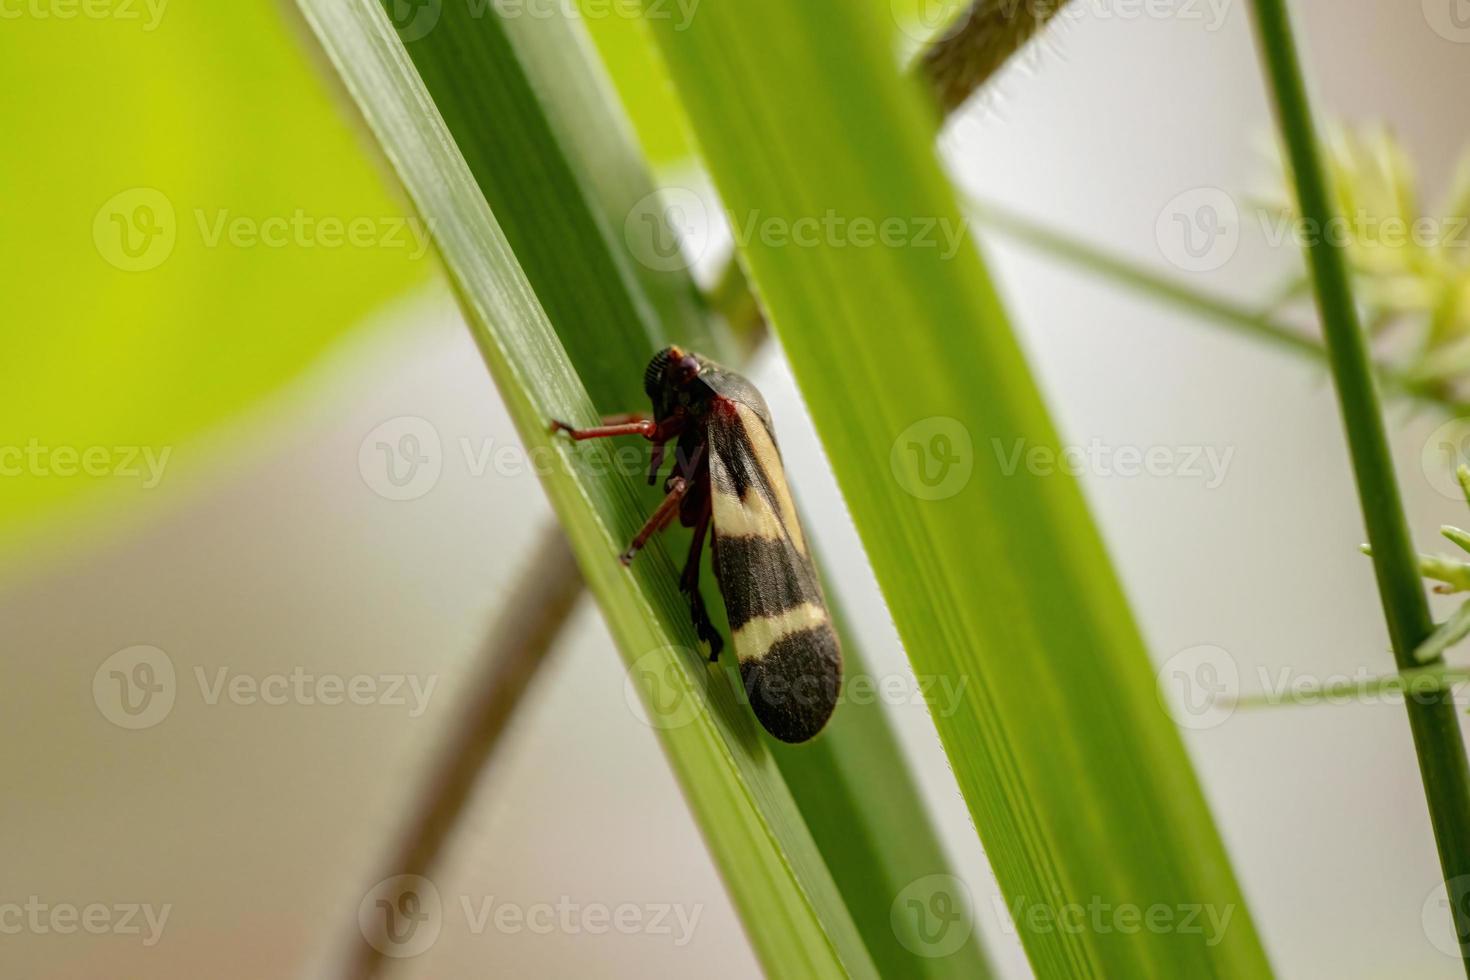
<point>865,813</point>
<point>1438,740</point>
<point>994,574</point>
<point>796,920</point>
<point>852,786</point>
<point>522,99</point>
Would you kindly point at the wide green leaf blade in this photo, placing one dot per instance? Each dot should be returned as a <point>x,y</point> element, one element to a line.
<point>796,919</point>
<point>1074,773</point>
<point>866,814</point>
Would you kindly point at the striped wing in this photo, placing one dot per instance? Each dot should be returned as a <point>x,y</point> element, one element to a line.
<point>789,657</point>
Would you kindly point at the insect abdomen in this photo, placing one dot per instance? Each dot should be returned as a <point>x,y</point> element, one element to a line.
<point>790,661</point>
<point>793,684</point>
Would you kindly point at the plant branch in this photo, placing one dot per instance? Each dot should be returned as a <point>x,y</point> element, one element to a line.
<point>509,658</point>
<point>1249,322</point>
<point>1432,720</point>
<point>978,44</point>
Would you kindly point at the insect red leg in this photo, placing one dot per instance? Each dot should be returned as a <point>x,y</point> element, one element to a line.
<point>642,427</point>
<point>661,517</point>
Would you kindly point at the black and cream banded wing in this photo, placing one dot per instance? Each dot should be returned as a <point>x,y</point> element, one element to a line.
<point>789,657</point>
<point>727,482</point>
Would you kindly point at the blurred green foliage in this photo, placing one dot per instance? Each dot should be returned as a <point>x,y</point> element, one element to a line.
<point>190,219</point>
<point>1410,262</point>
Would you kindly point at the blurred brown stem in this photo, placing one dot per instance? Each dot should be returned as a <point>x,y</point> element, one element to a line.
<point>978,43</point>
<point>510,656</point>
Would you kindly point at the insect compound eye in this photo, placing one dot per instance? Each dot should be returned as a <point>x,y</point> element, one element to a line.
<point>687,369</point>
<point>653,375</point>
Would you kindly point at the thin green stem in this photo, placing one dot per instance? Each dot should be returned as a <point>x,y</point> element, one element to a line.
<point>1420,682</point>
<point>1436,730</point>
<point>1249,322</point>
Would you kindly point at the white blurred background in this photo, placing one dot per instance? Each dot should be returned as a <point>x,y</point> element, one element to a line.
<point>255,825</point>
